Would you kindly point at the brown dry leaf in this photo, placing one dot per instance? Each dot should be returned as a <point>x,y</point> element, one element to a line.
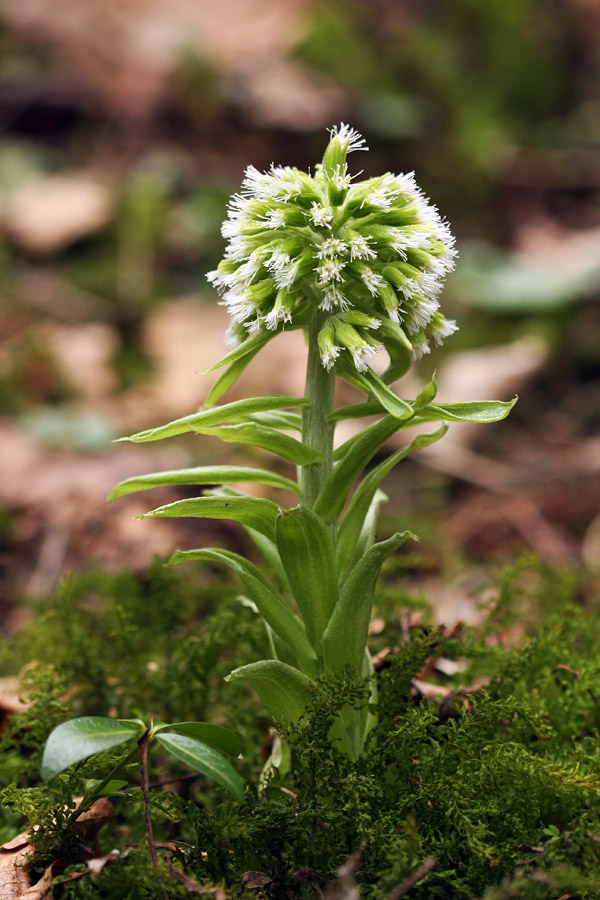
<point>40,890</point>
<point>83,355</point>
<point>89,823</point>
<point>346,886</point>
<point>10,699</point>
<point>48,214</point>
<point>254,881</point>
<point>14,874</point>
<point>282,93</point>
<point>121,54</point>
<point>193,887</point>
<point>428,689</point>
<point>96,864</point>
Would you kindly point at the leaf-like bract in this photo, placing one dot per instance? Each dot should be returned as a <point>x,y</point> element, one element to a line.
<point>351,525</point>
<point>202,475</point>
<point>345,637</point>
<point>283,689</point>
<point>334,494</point>
<point>216,415</point>
<point>308,556</point>
<point>265,597</point>
<point>256,512</point>
<point>255,435</point>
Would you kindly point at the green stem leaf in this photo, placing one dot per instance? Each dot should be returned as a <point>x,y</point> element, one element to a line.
<point>202,475</point>
<point>346,635</point>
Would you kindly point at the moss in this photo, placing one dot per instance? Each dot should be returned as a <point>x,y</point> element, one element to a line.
<point>498,783</point>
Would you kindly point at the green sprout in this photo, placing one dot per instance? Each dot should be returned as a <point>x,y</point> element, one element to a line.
<point>358,267</point>
<point>200,745</point>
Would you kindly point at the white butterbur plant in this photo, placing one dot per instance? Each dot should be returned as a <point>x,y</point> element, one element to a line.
<point>358,266</point>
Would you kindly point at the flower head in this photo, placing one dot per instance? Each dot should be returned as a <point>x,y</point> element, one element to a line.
<point>364,253</point>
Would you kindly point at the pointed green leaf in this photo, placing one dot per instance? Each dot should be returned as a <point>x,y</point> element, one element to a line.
<point>223,739</point>
<point>268,548</point>
<point>205,759</point>
<point>112,787</point>
<point>356,411</point>
<point>256,512</point>
<point>332,498</point>
<point>267,438</point>
<point>216,415</point>
<point>393,404</point>
<point>426,396</point>
<point>202,475</point>
<point>77,739</point>
<point>484,411</point>
<point>234,369</point>
<point>265,597</point>
<point>354,517</point>
<point>286,420</point>
<point>250,346</point>
<point>345,637</point>
<point>283,689</point>
<point>307,554</point>
<point>366,536</point>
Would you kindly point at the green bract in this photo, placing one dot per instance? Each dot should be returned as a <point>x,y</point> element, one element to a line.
<point>364,253</point>
<point>357,267</point>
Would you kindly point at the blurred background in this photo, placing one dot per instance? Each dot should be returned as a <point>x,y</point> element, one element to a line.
<point>124,127</point>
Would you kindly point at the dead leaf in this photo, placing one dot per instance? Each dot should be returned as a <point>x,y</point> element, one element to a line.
<point>48,214</point>
<point>41,889</point>
<point>89,823</point>
<point>19,841</point>
<point>415,876</point>
<point>10,699</point>
<point>96,864</point>
<point>346,886</point>
<point>14,873</point>
<point>283,93</point>
<point>194,888</point>
<point>428,689</point>
<point>255,881</point>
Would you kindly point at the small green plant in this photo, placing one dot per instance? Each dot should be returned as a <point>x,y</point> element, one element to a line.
<point>197,744</point>
<point>358,267</point>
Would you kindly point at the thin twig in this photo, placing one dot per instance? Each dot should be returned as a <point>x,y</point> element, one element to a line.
<point>157,784</point>
<point>427,866</point>
<point>143,745</point>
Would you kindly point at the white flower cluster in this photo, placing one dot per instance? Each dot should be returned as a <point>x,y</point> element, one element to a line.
<point>371,254</point>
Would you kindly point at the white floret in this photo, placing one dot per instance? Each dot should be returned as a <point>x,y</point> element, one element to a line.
<point>360,249</point>
<point>277,315</point>
<point>443,329</point>
<point>346,134</point>
<point>321,215</point>
<point>331,247</point>
<point>361,354</point>
<point>420,349</point>
<point>333,298</point>
<point>287,275</point>
<point>330,270</point>
<point>329,357</point>
<point>239,306</point>
<point>372,281</point>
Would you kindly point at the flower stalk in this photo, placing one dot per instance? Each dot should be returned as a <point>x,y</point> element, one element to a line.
<point>317,429</point>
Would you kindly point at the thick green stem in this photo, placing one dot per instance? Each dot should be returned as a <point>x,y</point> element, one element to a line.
<point>317,432</point>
